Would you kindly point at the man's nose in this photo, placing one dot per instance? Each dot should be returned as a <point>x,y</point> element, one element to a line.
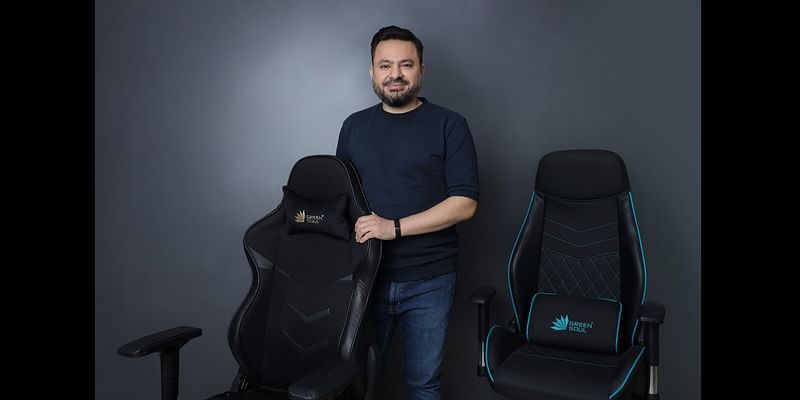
<point>396,72</point>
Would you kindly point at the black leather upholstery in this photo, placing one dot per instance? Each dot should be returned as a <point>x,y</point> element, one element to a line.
<point>579,240</point>
<point>549,373</point>
<point>298,332</point>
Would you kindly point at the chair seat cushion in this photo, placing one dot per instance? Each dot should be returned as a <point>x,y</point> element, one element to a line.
<point>548,373</point>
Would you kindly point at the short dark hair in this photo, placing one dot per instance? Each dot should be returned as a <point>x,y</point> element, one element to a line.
<point>398,33</point>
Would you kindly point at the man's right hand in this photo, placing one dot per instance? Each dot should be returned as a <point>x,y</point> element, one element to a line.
<point>374,226</point>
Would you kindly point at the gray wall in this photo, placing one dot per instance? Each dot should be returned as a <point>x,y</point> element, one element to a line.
<point>202,107</point>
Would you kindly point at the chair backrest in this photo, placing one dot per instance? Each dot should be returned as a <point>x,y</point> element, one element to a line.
<point>580,237</point>
<point>309,291</point>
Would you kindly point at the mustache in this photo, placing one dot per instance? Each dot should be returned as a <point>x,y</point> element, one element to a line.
<point>393,81</point>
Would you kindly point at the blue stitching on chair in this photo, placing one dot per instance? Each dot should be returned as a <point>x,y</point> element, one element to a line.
<point>644,264</point>
<point>511,292</point>
<point>641,247</point>
<point>568,360</point>
<point>628,375</point>
<point>528,326</point>
<point>616,337</point>
<point>486,352</point>
<point>603,298</point>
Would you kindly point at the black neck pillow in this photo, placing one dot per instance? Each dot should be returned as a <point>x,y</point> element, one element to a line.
<point>574,322</point>
<point>327,216</point>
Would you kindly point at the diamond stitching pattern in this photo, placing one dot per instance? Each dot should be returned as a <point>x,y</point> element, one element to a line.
<point>598,276</point>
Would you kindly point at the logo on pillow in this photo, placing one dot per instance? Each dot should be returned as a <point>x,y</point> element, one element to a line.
<point>327,215</point>
<point>563,323</point>
<point>301,217</point>
<point>560,324</point>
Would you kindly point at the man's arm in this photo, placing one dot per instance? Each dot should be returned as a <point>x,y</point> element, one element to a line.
<point>449,212</point>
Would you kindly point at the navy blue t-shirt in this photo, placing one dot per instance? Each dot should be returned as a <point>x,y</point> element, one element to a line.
<point>408,163</point>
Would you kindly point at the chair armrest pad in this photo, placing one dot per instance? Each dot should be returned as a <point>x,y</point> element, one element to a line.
<point>652,312</point>
<point>325,381</point>
<point>170,338</point>
<point>482,295</point>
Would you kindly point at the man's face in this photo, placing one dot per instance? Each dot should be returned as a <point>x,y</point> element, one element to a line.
<point>396,72</point>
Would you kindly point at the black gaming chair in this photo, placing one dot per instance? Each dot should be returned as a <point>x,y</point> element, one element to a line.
<point>298,333</point>
<point>577,280</point>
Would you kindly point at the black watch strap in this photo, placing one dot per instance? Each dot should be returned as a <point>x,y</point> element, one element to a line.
<point>397,228</point>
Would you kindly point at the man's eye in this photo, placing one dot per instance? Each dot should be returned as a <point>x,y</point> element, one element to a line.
<point>384,66</point>
<point>407,65</point>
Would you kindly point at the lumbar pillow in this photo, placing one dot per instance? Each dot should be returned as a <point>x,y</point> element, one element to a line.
<point>573,322</point>
<point>327,215</point>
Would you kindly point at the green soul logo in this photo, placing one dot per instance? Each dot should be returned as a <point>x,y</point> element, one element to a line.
<point>562,323</point>
<point>302,218</point>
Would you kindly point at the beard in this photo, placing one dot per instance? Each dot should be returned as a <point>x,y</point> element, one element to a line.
<point>398,98</point>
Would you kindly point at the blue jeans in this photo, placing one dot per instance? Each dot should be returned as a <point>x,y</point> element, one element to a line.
<point>422,308</point>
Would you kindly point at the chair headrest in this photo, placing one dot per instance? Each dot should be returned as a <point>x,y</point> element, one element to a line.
<point>582,174</point>
<point>327,177</point>
<point>320,176</point>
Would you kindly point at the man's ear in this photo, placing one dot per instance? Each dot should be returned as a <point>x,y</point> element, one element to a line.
<point>370,72</point>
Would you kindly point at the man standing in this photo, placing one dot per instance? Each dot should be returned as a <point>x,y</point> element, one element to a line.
<point>419,173</point>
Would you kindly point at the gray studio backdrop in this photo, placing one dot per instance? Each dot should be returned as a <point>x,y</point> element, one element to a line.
<point>202,108</point>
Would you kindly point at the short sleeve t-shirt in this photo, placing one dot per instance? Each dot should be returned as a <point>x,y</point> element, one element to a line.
<point>408,163</point>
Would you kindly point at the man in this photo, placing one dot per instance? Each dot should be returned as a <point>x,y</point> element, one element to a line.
<point>419,173</point>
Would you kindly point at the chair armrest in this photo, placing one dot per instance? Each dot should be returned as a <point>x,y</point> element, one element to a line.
<point>167,339</point>
<point>482,295</point>
<point>326,382</point>
<point>168,344</point>
<point>652,312</point>
<point>652,316</point>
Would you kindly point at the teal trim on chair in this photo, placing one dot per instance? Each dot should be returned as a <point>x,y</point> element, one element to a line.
<point>510,256</point>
